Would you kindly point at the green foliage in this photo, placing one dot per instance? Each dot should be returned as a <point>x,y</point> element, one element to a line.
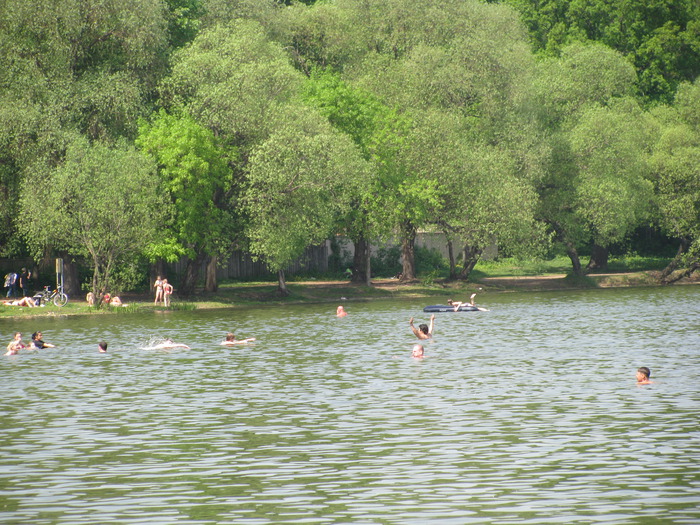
<point>676,166</point>
<point>183,23</point>
<point>233,80</point>
<point>661,39</point>
<point>386,261</point>
<point>431,262</point>
<point>299,180</point>
<point>193,171</point>
<point>102,203</point>
<point>613,193</point>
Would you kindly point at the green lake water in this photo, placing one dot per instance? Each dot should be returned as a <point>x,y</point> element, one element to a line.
<point>527,413</point>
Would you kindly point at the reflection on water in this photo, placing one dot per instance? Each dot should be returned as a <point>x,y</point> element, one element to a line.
<point>528,412</point>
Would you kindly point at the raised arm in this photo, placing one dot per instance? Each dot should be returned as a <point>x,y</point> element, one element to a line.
<point>413,328</point>
<point>432,324</point>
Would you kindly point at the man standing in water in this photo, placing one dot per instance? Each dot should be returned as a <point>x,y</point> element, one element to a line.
<point>423,331</point>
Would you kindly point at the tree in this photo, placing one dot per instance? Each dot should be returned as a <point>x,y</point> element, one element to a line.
<point>69,67</point>
<point>195,175</point>
<point>298,182</point>
<point>371,125</point>
<point>661,39</point>
<point>469,64</point>
<point>482,198</point>
<point>102,203</point>
<point>590,81</point>
<point>233,80</point>
<point>676,174</point>
<point>613,193</point>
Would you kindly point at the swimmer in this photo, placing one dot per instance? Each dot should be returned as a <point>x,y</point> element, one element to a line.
<point>340,312</point>
<point>102,347</point>
<point>423,331</point>
<point>15,345</point>
<point>643,375</point>
<point>418,351</point>
<point>167,344</point>
<point>231,340</point>
<point>38,343</point>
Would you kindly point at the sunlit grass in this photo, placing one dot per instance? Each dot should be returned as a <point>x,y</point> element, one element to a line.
<point>512,267</point>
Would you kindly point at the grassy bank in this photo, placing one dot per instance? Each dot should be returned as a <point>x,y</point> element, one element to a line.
<point>502,276</point>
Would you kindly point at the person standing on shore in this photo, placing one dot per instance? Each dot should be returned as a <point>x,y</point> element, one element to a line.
<point>11,284</point>
<point>158,285</point>
<point>167,292</point>
<point>24,281</point>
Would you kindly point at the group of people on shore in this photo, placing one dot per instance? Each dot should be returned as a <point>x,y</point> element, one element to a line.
<point>163,291</point>
<point>17,283</point>
<point>106,299</point>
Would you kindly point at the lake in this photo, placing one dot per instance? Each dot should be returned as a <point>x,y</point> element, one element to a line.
<point>527,413</point>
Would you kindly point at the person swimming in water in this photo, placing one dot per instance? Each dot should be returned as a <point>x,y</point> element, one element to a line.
<point>38,342</point>
<point>418,352</point>
<point>423,331</point>
<point>16,344</point>
<point>643,375</point>
<point>231,340</point>
<point>340,312</point>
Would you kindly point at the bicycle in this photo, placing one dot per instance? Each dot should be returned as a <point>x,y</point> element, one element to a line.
<point>58,296</point>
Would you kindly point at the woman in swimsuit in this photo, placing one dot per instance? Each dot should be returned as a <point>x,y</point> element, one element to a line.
<point>158,285</point>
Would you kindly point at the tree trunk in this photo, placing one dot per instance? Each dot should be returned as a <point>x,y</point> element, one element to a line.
<point>599,258</point>
<point>408,252</point>
<point>471,255</point>
<point>575,260</point>
<point>368,268</point>
<point>453,264</point>
<point>679,274</point>
<point>189,281</point>
<point>570,248</point>
<point>282,284</point>
<point>682,248</point>
<point>359,261</point>
<point>210,283</point>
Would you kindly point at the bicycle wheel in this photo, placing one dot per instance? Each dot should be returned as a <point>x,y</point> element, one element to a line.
<point>60,299</point>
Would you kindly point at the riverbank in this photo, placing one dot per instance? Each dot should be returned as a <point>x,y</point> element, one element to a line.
<point>241,295</point>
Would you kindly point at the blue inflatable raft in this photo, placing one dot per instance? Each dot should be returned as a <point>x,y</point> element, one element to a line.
<point>447,308</point>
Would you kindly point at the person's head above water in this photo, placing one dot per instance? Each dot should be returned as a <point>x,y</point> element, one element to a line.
<point>340,311</point>
<point>417,351</point>
<point>643,374</point>
<point>424,328</point>
<point>230,336</point>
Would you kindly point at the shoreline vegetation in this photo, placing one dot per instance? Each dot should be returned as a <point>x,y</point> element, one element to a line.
<point>493,278</point>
